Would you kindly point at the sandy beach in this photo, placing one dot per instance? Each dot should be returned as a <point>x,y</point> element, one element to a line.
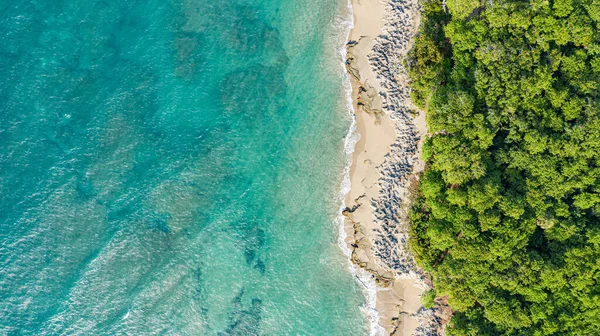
<point>386,163</point>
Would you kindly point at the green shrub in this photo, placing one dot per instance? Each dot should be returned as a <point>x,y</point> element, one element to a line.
<point>507,221</point>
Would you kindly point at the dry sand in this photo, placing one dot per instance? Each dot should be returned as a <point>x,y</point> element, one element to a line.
<point>386,163</point>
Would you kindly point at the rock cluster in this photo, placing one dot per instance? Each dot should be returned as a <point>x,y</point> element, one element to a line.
<point>387,62</point>
<point>391,242</point>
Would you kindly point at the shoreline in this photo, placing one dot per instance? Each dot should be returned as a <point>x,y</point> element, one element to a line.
<point>369,287</point>
<point>363,277</point>
<point>384,168</point>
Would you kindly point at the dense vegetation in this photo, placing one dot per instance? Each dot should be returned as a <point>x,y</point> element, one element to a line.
<point>508,217</point>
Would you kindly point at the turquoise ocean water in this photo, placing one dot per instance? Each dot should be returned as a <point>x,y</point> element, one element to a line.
<point>172,167</point>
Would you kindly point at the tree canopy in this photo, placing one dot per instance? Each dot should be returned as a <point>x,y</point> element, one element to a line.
<point>507,220</point>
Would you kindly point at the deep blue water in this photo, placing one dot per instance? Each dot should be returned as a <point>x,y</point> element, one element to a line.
<point>171,168</point>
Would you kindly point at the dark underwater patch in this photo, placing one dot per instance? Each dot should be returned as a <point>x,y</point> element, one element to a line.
<point>245,319</point>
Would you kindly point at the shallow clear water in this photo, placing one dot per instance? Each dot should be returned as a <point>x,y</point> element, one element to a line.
<point>172,167</point>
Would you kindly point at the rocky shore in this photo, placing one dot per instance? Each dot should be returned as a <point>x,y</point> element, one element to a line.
<point>386,165</point>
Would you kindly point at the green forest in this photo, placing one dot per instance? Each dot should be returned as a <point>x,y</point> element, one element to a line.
<point>507,219</point>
